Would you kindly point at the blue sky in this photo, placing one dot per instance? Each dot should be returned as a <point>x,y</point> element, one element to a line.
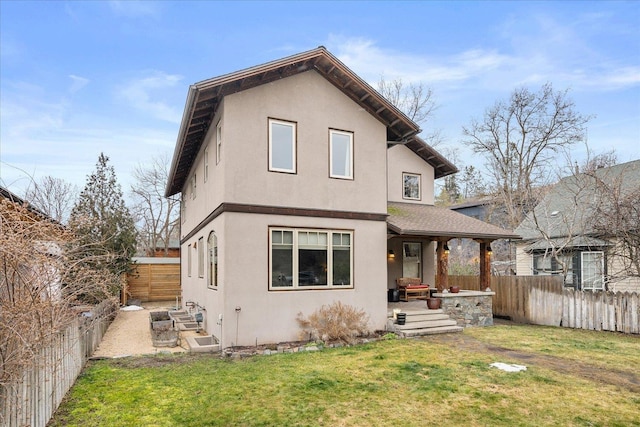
<point>80,78</point>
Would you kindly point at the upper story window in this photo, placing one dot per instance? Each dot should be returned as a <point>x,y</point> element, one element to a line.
<point>411,186</point>
<point>206,163</point>
<point>282,146</point>
<point>193,186</point>
<point>219,142</point>
<point>341,154</point>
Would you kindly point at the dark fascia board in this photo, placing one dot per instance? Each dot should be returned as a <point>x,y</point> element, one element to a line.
<point>442,167</point>
<point>204,97</point>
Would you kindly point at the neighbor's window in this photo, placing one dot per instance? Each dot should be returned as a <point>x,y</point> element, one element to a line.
<point>305,258</point>
<point>206,163</point>
<point>189,260</point>
<point>219,142</point>
<point>201,257</point>
<point>212,249</point>
<point>411,186</point>
<point>282,146</point>
<point>592,270</point>
<point>341,154</point>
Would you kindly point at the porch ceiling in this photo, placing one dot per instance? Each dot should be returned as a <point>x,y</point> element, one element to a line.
<point>409,219</point>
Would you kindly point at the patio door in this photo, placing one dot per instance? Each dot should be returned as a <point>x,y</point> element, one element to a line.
<point>411,259</point>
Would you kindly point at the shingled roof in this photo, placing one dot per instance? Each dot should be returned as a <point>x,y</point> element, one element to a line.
<point>409,219</point>
<point>204,98</point>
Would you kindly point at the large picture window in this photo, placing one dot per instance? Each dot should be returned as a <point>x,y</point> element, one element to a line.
<point>282,146</point>
<point>411,186</point>
<point>310,259</point>
<point>341,154</point>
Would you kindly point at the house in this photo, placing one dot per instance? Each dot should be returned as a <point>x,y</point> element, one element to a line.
<point>302,186</point>
<point>585,228</point>
<point>39,247</point>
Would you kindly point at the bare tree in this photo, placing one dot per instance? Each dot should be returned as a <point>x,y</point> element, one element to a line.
<point>39,260</point>
<point>592,211</point>
<point>520,140</point>
<point>415,100</point>
<point>53,196</point>
<point>157,216</point>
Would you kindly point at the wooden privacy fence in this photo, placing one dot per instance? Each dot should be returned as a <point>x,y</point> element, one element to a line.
<point>154,279</point>
<point>32,401</point>
<point>542,300</point>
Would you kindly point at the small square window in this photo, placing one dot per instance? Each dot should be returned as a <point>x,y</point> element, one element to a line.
<point>282,146</point>
<point>341,154</point>
<point>411,186</point>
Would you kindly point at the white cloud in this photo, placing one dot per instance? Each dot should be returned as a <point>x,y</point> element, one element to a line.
<point>148,94</point>
<point>77,83</point>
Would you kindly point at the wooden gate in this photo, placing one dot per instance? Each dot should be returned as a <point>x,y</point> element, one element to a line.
<point>154,279</point>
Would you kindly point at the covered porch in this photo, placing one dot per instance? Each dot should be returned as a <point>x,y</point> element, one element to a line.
<point>417,247</point>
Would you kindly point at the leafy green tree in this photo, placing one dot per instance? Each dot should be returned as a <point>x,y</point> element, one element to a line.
<point>102,221</point>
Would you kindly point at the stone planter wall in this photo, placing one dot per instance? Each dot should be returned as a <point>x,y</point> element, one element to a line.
<point>468,308</point>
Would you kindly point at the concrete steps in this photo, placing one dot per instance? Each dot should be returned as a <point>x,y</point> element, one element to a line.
<point>424,322</point>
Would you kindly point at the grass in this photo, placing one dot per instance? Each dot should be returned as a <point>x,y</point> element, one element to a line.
<point>391,382</point>
<point>575,345</point>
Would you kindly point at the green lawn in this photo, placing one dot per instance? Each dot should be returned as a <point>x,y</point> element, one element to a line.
<point>386,383</point>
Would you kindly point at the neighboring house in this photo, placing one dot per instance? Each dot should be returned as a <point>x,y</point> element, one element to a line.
<point>489,209</point>
<point>45,274</point>
<point>581,230</point>
<point>302,186</point>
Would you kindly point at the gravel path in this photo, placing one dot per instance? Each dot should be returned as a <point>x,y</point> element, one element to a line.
<point>129,335</point>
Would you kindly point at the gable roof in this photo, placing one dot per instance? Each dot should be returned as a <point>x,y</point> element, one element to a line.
<point>566,210</point>
<point>203,99</point>
<point>6,194</point>
<point>410,219</point>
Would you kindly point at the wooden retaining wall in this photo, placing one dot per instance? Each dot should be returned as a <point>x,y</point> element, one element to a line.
<point>542,300</point>
<point>32,401</point>
<point>154,279</point>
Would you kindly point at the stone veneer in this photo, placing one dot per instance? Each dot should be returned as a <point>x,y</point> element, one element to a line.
<point>468,308</point>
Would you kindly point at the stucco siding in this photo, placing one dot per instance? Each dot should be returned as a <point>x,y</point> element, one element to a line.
<point>269,316</point>
<point>315,106</point>
<point>401,160</point>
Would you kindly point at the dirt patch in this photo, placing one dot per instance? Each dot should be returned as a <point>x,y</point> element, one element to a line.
<point>623,379</point>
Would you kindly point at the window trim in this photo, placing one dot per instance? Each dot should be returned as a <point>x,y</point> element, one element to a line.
<point>351,153</point>
<point>213,265</point>
<point>189,260</point>
<point>294,145</point>
<point>206,163</point>
<point>295,286</point>
<point>219,141</point>
<point>582,270</point>
<point>201,257</point>
<point>411,174</point>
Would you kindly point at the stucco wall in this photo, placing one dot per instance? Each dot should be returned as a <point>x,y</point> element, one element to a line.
<point>315,106</point>
<point>400,159</point>
<point>270,316</point>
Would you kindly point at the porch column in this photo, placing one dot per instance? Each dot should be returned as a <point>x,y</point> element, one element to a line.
<point>485,266</point>
<point>442,274</point>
